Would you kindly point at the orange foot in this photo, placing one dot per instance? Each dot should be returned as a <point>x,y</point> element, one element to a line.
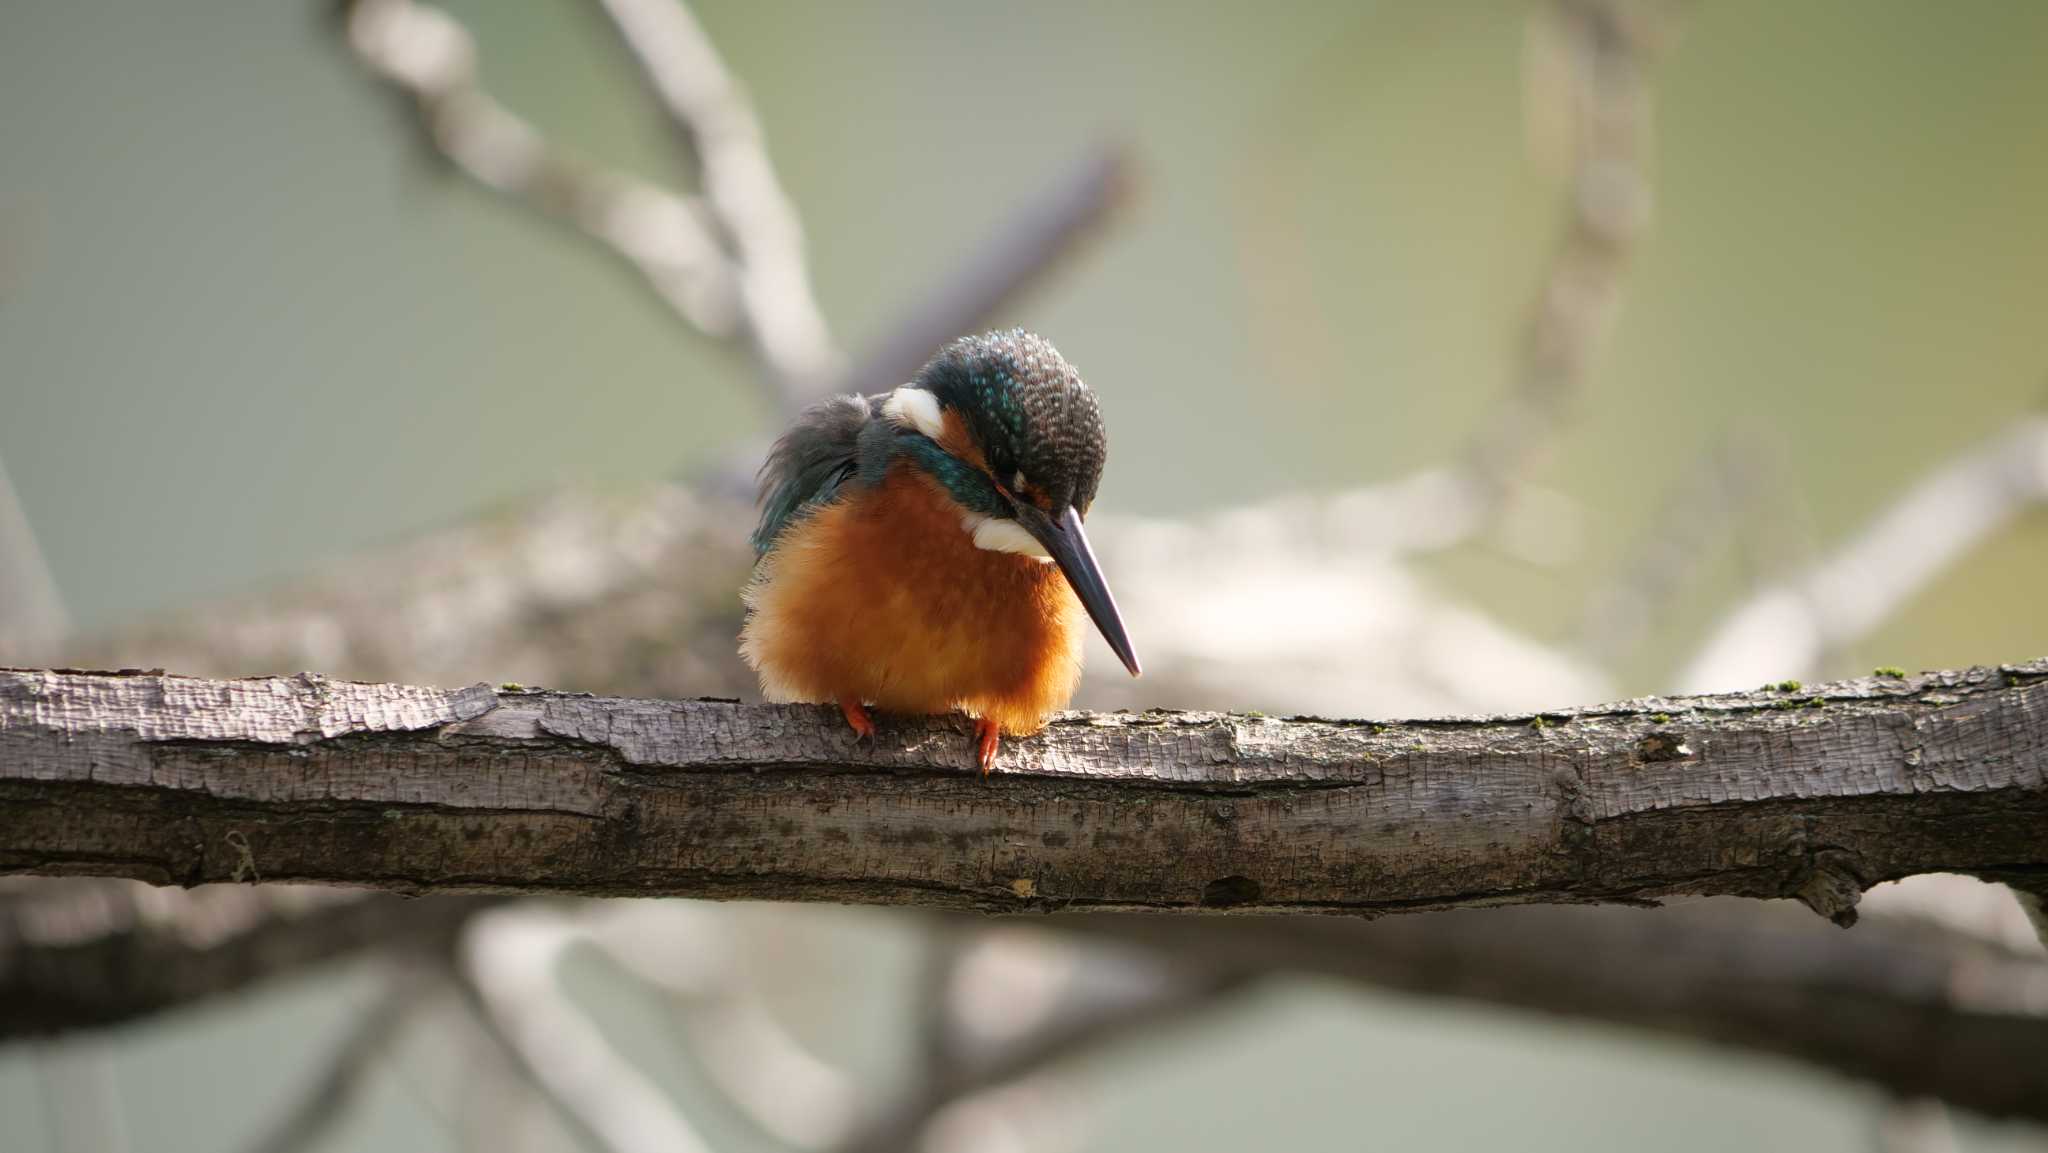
<point>857,717</point>
<point>987,734</point>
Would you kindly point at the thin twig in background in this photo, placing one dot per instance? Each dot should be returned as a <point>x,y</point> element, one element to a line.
<point>1738,492</point>
<point>732,261</point>
<point>1796,628</point>
<point>1045,230</point>
<point>1608,203</point>
<point>754,215</point>
<point>508,973</point>
<point>1174,997</point>
<point>935,1027</point>
<point>32,612</point>
<point>368,1041</point>
<point>670,240</point>
<point>1362,631</point>
<point>1612,46</point>
<point>691,954</point>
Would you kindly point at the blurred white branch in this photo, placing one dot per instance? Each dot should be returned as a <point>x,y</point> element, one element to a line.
<point>691,952</point>
<point>509,962</point>
<point>754,214</point>
<point>1313,593</point>
<point>31,610</point>
<point>671,240</point>
<point>1611,45</point>
<point>1793,629</point>
<point>1740,490</point>
<point>731,262</point>
<point>1289,606</point>
<point>1044,1033</point>
<point>1994,914</point>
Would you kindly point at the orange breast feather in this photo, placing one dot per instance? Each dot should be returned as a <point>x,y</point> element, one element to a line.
<point>882,596</point>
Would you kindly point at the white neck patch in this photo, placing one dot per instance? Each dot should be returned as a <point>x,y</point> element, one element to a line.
<point>913,407</point>
<point>916,408</point>
<point>1000,534</point>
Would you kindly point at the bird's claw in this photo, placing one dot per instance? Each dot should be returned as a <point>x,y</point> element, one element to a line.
<point>987,736</point>
<point>858,720</point>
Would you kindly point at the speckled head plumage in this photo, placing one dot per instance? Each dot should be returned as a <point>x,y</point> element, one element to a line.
<point>1005,424</point>
<point>1037,425</point>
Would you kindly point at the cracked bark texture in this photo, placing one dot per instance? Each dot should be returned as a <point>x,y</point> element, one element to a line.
<point>1814,794</point>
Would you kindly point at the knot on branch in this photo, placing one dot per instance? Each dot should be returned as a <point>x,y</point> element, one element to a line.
<point>1835,887</point>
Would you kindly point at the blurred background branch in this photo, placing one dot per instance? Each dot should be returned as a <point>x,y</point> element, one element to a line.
<point>673,241</point>
<point>369,1040</point>
<point>508,980</point>
<point>1607,208</point>
<point>86,952</point>
<point>31,610</point>
<point>716,125</point>
<point>1797,626</point>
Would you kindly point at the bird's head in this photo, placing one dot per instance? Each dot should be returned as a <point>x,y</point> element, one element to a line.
<point>1007,427</point>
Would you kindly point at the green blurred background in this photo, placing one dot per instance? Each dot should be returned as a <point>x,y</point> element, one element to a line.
<point>244,331</point>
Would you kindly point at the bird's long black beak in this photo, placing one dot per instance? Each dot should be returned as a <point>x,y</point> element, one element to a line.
<point>1068,544</point>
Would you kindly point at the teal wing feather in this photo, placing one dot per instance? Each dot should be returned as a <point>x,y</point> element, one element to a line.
<point>811,463</point>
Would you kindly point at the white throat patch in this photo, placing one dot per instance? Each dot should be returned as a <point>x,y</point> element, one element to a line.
<point>1000,534</point>
<point>913,407</point>
<point>916,408</point>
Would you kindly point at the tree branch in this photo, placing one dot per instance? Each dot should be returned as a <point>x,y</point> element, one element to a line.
<point>370,1037</point>
<point>1873,1003</point>
<point>430,59</point>
<point>1607,210</point>
<point>741,192</point>
<point>1794,627</point>
<point>89,953</point>
<point>1816,794</point>
<point>31,609</point>
<point>508,977</point>
<point>1904,1005</point>
<point>1056,1040</point>
<point>1022,250</point>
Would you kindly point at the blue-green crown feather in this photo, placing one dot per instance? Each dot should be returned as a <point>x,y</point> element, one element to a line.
<point>1026,408</point>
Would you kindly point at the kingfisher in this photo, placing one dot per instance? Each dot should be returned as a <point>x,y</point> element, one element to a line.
<point>921,550</point>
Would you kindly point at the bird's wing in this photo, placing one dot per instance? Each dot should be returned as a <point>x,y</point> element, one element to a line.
<point>809,464</point>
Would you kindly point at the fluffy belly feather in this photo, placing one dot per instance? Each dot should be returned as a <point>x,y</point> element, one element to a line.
<point>883,597</point>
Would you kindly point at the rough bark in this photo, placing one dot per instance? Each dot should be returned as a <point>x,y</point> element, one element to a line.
<point>1815,794</point>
